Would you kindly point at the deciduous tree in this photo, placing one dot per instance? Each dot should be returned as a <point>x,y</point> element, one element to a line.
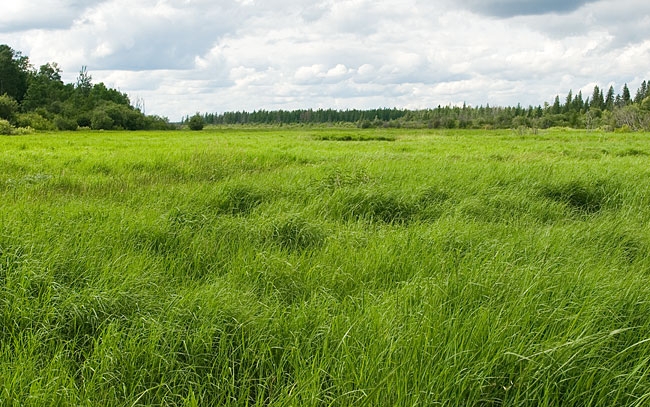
<point>14,73</point>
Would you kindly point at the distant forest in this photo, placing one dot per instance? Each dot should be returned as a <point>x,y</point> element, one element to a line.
<point>37,99</point>
<point>607,111</point>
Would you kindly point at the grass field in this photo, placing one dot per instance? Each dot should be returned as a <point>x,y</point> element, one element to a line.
<point>318,267</point>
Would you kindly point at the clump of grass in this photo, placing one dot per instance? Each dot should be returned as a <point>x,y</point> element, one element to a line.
<point>355,137</point>
<point>345,178</point>
<point>181,217</point>
<point>374,206</point>
<point>281,280</point>
<point>631,152</point>
<point>240,199</point>
<point>433,196</point>
<point>629,244</point>
<point>151,238</point>
<point>430,203</point>
<point>294,232</point>
<point>587,197</point>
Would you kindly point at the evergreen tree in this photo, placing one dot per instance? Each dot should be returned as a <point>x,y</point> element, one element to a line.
<point>597,101</point>
<point>601,99</point>
<point>578,102</point>
<point>641,93</point>
<point>557,108</point>
<point>581,103</point>
<point>609,99</point>
<point>568,102</point>
<point>626,99</point>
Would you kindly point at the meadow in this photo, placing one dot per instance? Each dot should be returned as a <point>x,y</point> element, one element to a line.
<point>325,267</point>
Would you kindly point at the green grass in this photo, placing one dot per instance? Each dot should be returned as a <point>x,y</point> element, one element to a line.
<point>325,267</point>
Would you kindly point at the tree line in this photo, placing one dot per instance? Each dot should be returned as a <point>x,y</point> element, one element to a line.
<point>38,99</point>
<point>607,111</point>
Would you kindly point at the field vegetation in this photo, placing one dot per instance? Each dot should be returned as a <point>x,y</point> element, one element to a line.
<point>325,267</point>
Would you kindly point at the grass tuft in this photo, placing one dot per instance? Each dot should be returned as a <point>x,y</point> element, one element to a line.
<point>355,137</point>
<point>375,206</point>
<point>584,196</point>
<point>297,233</point>
<point>240,199</point>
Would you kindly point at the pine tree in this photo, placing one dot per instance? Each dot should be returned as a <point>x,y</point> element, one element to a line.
<point>556,109</point>
<point>596,98</point>
<point>626,95</point>
<point>578,102</point>
<point>641,93</point>
<point>609,100</point>
<point>568,102</point>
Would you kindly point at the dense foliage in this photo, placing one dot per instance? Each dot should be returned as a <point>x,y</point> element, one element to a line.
<point>609,112</point>
<point>38,99</point>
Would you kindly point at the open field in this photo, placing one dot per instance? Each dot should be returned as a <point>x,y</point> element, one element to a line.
<point>318,267</point>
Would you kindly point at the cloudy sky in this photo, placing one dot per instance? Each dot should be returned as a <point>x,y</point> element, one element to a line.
<point>183,56</point>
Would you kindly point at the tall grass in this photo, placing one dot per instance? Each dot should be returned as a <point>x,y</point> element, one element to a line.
<point>325,267</point>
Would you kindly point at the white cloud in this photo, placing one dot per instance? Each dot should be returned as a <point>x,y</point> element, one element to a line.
<point>182,56</point>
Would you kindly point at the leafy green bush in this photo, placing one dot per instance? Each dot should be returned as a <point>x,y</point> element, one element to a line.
<point>5,127</point>
<point>35,121</point>
<point>101,121</point>
<point>157,123</point>
<point>8,108</point>
<point>623,129</point>
<point>19,131</point>
<point>195,122</point>
<point>84,120</point>
<point>65,124</point>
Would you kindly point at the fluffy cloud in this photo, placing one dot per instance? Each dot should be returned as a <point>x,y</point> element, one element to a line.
<point>41,14</point>
<point>184,56</point>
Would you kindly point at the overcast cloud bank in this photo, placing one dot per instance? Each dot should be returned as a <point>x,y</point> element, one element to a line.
<point>182,56</point>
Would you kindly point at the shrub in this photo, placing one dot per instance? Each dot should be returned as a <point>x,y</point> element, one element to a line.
<point>35,121</point>
<point>5,127</point>
<point>195,122</point>
<point>84,121</point>
<point>157,123</point>
<point>101,121</point>
<point>65,124</point>
<point>19,131</point>
<point>623,129</point>
<point>8,108</point>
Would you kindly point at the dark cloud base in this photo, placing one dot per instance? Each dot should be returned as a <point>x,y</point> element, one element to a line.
<point>513,8</point>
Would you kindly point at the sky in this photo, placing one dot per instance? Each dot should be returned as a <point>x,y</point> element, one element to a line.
<point>179,57</point>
